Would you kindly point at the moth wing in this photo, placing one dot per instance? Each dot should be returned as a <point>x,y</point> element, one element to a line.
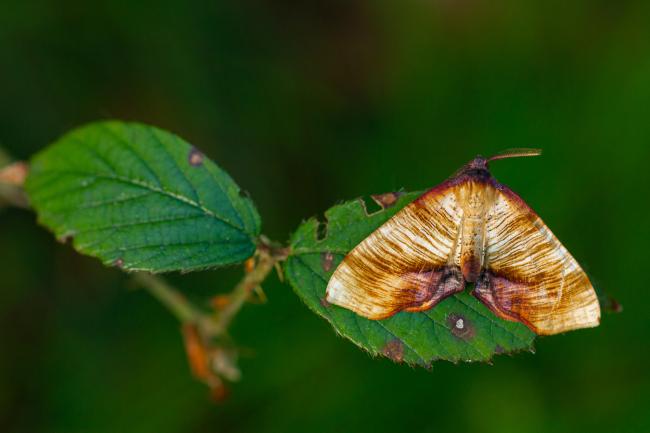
<point>404,264</point>
<point>530,276</point>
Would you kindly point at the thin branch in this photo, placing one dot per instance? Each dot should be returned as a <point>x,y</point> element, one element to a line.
<point>214,325</point>
<point>205,334</point>
<point>14,173</point>
<point>184,311</point>
<point>12,179</point>
<point>266,260</point>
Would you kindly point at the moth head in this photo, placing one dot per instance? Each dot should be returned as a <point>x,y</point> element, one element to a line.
<point>478,167</point>
<point>478,163</point>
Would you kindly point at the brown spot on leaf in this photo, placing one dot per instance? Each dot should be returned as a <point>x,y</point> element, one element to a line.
<point>327,260</point>
<point>461,327</point>
<point>394,350</point>
<point>324,302</point>
<point>387,200</point>
<point>195,158</point>
<point>119,263</point>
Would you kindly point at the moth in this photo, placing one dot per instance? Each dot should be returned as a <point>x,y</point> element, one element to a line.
<point>469,229</point>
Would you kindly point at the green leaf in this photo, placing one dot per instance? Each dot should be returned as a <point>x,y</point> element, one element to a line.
<point>415,338</point>
<point>142,199</point>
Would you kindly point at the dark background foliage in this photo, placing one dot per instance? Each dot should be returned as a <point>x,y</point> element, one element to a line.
<point>307,103</point>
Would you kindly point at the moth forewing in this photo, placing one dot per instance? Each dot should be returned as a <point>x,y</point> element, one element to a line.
<point>530,276</point>
<point>405,263</point>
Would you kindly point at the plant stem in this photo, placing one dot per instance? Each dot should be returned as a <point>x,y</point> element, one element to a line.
<point>169,297</point>
<point>241,292</point>
<point>213,326</point>
<point>12,178</point>
<point>210,359</point>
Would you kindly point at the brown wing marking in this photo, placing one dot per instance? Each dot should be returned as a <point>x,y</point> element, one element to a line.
<point>530,276</point>
<point>404,264</point>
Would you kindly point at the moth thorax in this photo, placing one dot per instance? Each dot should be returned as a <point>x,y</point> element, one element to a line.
<point>472,234</point>
<point>475,198</point>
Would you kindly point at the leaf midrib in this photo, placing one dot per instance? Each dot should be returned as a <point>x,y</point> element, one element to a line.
<point>151,188</point>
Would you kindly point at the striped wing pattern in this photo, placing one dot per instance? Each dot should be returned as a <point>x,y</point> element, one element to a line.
<point>530,276</point>
<point>413,261</point>
<point>403,265</point>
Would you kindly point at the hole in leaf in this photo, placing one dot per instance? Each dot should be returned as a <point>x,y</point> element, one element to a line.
<point>370,205</point>
<point>321,231</point>
<point>66,238</point>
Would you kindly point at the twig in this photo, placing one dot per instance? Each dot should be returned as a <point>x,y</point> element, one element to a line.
<point>214,325</point>
<point>267,257</point>
<point>12,179</point>
<point>205,334</point>
<point>184,311</point>
<point>14,174</point>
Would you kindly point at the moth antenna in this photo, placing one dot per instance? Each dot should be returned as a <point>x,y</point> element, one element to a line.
<point>515,153</point>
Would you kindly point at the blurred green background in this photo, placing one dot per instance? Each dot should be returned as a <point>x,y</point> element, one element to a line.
<point>307,103</point>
